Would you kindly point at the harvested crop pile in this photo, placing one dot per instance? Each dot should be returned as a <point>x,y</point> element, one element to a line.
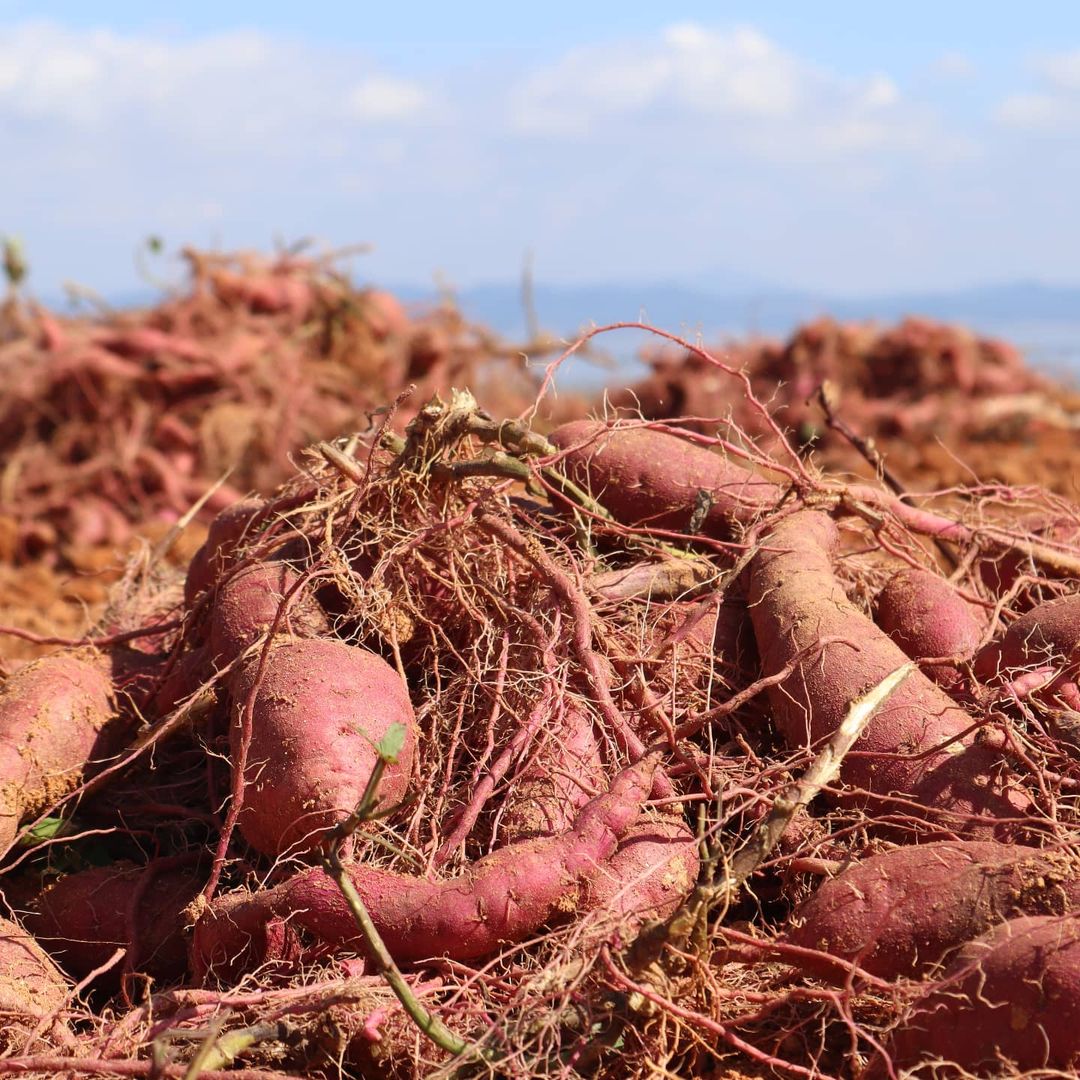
<point>130,417</point>
<point>940,401</point>
<point>604,754</point>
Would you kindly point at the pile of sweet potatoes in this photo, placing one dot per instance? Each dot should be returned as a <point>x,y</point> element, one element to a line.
<point>618,752</point>
<point>120,420</point>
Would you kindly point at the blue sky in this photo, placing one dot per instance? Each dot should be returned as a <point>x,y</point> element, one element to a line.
<point>845,147</point>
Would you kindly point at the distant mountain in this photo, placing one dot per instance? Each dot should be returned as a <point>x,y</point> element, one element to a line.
<point>566,308</point>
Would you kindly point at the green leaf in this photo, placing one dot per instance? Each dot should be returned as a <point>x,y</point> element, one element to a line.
<point>392,743</point>
<point>48,829</point>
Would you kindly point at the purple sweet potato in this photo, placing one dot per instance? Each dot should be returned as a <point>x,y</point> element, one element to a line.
<point>57,716</point>
<point>319,709</point>
<point>651,873</point>
<point>919,745</point>
<point>927,617</point>
<point>500,900</point>
<point>651,478</point>
<point>1009,1000</point>
<point>247,604</point>
<point>898,913</point>
<point>82,918</point>
<point>31,987</point>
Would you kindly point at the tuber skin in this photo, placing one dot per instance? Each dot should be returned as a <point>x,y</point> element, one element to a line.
<point>82,918</point>
<point>919,745</point>
<point>653,871</point>
<point>565,772</point>
<point>927,617</point>
<point>319,709</point>
<point>247,604</point>
<point>651,478</point>
<point>898,913</point>
<point>58,716</point>
<point>31,986</point>
<point>500,900</point>
<point>1046,636</point>
<point>227,532</point>
<point>1012,994</point>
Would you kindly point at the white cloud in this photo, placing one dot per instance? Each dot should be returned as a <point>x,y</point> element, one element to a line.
<point>383,97</point>
<point>736,84</point>
<point>1055,107</point>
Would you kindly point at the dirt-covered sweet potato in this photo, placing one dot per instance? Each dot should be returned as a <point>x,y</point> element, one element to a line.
<point>247,604</point>
<point>320,707</point>
<point>919,744</point>
<point>927,617</point>
<point>563,775</point>
<point>652,478</point>
<point>1047,636</point>
<point>500,900</point>
<point>31,987</point>
<point>653,870</point>
<point>901,912</point>
<point>58,716</point>
<point>82,918</point>
<point>227,531</point>
<point>1008,1001</point>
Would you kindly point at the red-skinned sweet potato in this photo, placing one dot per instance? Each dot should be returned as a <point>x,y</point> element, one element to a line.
<point>565,773</point>
<point>898,913</point>
<point>31,987</point>
<point>82,918</point>
<point>247,603</point>
<point>927,617</point>
<point>500,900</point>
<point>1008,998</point>
<point>651,478</point>
<point>57,716</point>
<point>227,531</point>
<point>653,870</point>
<point>1047,636</point>
<point>919,744</point>
<point>319,709</point>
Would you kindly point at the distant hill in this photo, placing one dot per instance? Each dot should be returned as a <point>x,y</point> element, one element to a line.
<point>565,309</point>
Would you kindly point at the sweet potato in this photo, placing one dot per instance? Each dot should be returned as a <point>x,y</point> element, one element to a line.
<point>500,900</point>
<point>898,913</point>
<point>927,617</point>
<point>227,531</point>
<point>247,604</point>
<point>57,716</point>
<point>1046,636</point>
<point>563,776</point>
<point>919,744</point>
<point>651,873</point>
<point>31,987</point>
<point>319,709</point>
<point>82,918</point>
<point>651,478</point>
<point>1011,996</point>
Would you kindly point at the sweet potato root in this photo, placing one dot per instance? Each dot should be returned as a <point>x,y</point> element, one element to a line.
<point>919,744</point>
<point>898,913</point>
<point>646,477</point>
<point>1010,997</point>
<point>498,901</point>
<point>318,711</point>
<point>1047,636</point>
<point>57,716</point>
